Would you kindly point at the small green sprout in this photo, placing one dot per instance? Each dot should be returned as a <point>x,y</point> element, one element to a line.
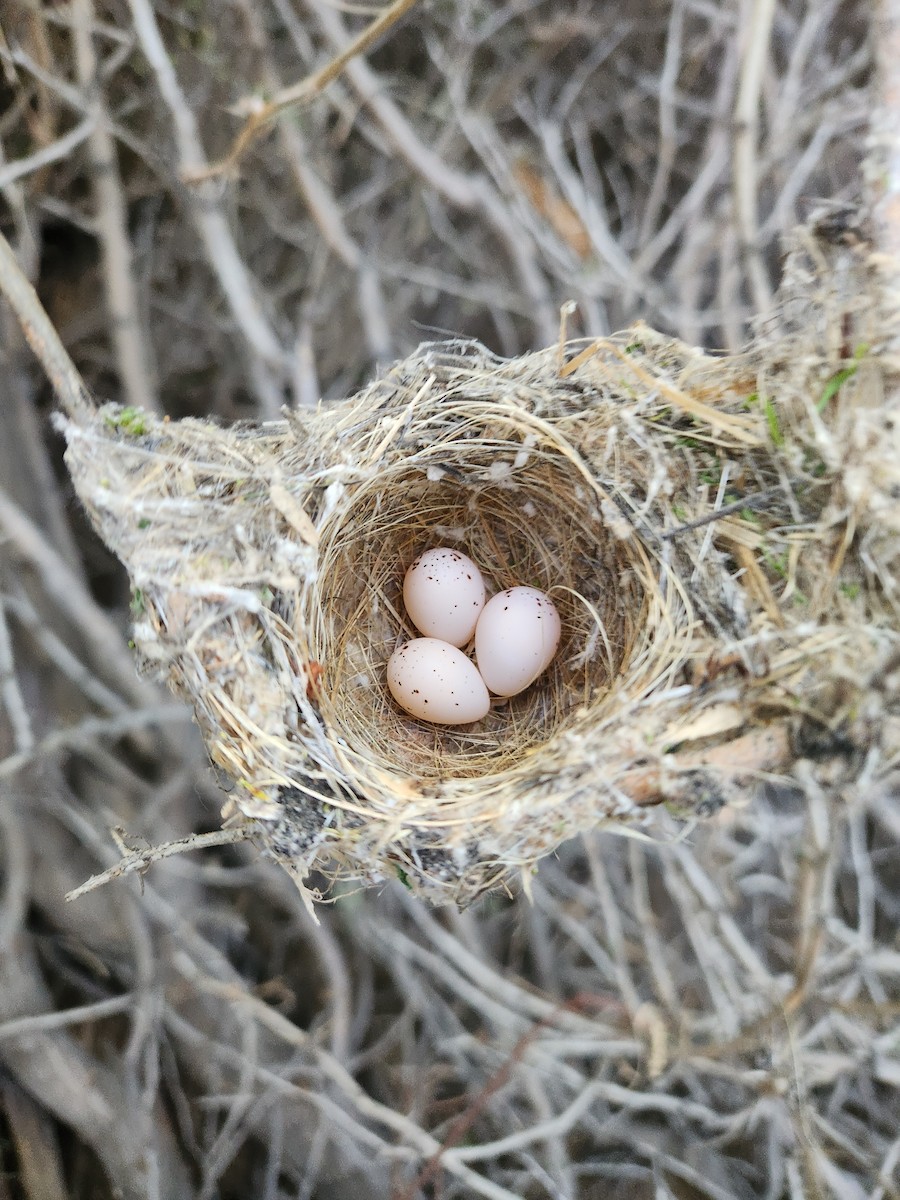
<point>839,378</point>
<point>772,421</point>
<point>833,386</point>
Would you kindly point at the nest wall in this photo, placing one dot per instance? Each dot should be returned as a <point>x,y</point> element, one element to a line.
<point>720,590</point>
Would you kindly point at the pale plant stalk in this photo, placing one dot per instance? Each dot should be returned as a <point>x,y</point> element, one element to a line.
<point>111,217</point>
<point>756,33</point>
<point>267,362</point>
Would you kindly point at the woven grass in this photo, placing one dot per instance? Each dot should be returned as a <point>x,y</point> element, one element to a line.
<point>719,534</point>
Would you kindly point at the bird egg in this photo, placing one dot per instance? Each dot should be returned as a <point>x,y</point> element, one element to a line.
<point>444,594</point>
<point>516,638</point>
<point>434,681</point>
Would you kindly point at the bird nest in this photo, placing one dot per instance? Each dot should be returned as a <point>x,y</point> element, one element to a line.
<point>718,534</point>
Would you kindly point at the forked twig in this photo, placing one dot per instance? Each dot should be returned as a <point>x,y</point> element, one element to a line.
<point>300,92</point>
<point>141,860</point>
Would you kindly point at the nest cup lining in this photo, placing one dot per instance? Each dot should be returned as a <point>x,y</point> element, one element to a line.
<point>533,525</point>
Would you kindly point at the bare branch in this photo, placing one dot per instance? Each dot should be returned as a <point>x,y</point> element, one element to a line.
<point>110,214</point>
<point>884,168</point>
<point>756,33</point>
<point>142,860</point>
<point>305,90</point>
<point>41,336</point>
<point>267,360</point>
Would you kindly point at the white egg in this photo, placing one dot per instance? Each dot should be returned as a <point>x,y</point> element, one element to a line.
<point>516,638</point>
<point>434,681</point>
<point>444,594</point>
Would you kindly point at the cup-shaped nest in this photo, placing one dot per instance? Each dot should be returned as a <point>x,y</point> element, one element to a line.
<point>269,565</point>
<point>527,473</point>
<point>660,497</point>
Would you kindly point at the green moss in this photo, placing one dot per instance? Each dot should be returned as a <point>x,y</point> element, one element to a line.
<point>128,420</point>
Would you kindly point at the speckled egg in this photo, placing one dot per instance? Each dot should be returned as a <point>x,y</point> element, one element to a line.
<point>444,594</point>
<point>434,681</point>
<point>516,638</point>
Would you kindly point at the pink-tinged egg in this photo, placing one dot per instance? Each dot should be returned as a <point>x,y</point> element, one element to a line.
<point>434,681</point>
<point>444,594</point>
<point>516,638</point>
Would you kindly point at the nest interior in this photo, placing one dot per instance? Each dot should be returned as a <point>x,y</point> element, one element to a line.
<point>712,531</point>
<point>526,516</point>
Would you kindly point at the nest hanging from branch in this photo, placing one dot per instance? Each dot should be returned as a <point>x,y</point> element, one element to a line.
<point>720,536</point>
